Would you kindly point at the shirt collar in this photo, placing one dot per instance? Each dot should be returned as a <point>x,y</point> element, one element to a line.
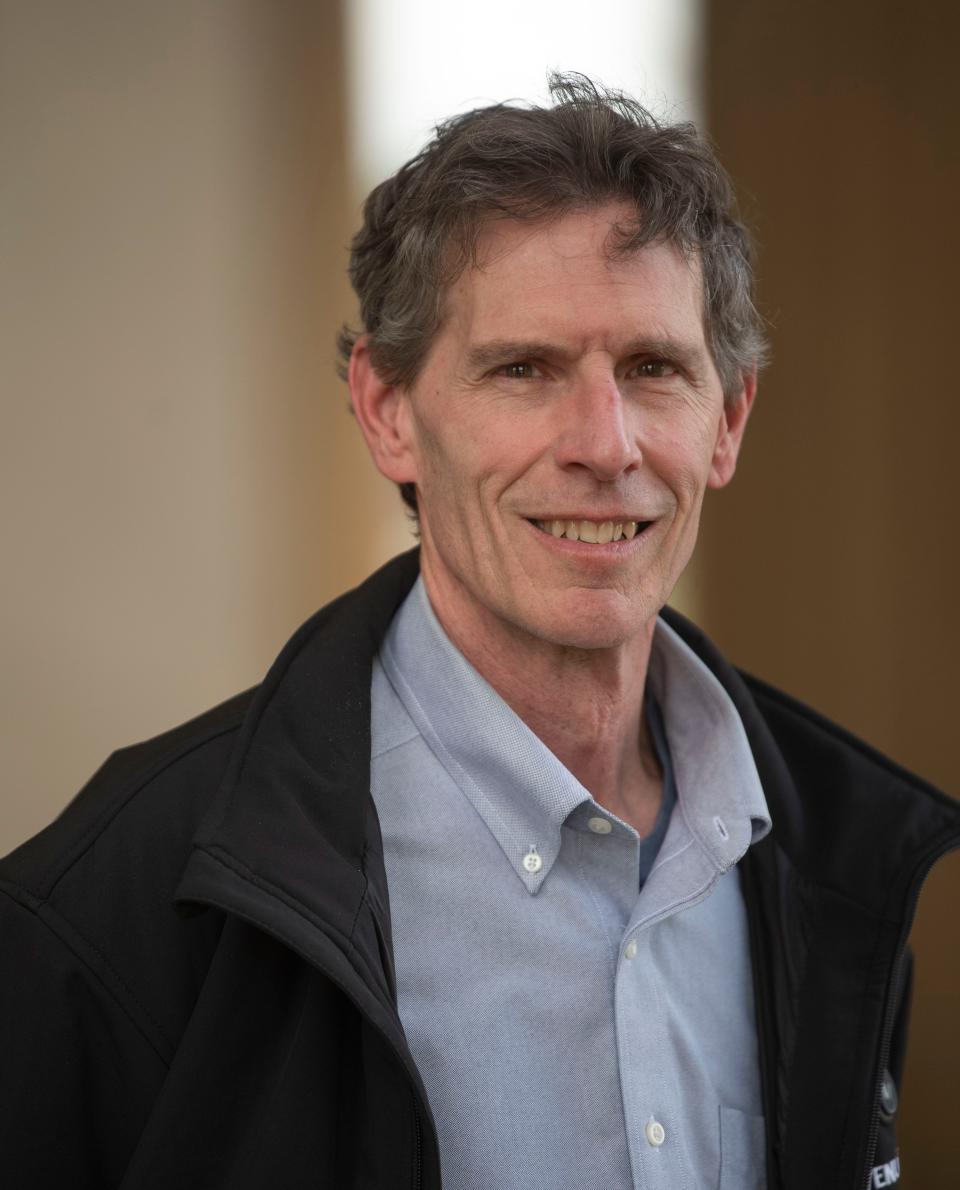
<point>515,783</point>
<point>718,786</point>
<point>523,793</point>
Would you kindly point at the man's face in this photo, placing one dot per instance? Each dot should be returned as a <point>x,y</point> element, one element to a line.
<point>568,397</point>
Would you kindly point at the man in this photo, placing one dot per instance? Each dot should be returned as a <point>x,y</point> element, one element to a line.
<point>501,872</point>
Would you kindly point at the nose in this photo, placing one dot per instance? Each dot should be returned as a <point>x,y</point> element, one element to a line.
<point>596,433</point>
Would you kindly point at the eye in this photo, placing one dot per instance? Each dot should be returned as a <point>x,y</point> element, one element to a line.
<point>518,370</point>
<point>655,369</point>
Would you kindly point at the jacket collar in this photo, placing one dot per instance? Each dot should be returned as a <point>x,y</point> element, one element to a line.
<point>291,841</point>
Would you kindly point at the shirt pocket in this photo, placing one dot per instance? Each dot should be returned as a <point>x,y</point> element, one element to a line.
<point>743,1150</point>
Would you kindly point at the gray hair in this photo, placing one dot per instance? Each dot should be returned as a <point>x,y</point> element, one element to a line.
<point>594,145</point>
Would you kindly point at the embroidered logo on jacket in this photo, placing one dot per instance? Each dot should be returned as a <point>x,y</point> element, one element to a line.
<point>886,1174</point>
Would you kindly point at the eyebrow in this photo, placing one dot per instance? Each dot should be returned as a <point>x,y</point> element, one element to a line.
<point>500,351</point>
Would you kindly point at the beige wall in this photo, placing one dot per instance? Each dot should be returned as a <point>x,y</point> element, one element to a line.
<point>175,446</point>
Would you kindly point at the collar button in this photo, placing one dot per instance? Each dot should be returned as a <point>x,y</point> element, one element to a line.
<point>532,862</point>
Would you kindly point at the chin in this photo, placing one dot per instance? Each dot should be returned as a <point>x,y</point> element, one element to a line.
<point>587,641</point>
<point>594,624</point>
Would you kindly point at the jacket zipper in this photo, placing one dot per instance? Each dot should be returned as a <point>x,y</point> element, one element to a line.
<point>417,1148</point>
<point>759,962</point>
<point>890,1011</point>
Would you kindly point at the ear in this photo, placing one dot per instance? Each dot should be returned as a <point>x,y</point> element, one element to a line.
<point>733,422</point>
<point>383,413</point>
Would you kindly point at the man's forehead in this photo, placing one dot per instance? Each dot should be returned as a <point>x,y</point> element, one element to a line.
<point>528,274</point>
<point>592,230</point>
<point>575,244</point>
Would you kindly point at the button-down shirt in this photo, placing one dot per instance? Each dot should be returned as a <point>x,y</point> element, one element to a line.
<point>571,1031</point>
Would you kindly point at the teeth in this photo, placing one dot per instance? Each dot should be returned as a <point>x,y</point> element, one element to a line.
<point>595,532</point>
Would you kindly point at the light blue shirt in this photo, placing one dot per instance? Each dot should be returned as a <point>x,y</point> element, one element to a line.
<point>571,1031</point>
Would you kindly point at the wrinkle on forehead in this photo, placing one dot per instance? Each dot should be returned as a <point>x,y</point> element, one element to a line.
<point>581,248</point>
<point>623,238</point>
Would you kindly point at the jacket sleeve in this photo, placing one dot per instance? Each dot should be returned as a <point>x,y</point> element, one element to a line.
<point>77,1076</point>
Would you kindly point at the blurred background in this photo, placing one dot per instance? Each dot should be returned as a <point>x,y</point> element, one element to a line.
<point>182,483</point>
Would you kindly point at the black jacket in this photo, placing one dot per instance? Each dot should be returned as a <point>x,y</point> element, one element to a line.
<point>198,987</point>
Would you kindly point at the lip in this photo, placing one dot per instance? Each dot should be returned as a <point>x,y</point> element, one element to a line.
<point>596,517</point>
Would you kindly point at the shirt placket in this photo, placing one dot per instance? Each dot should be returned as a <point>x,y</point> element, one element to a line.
<point>652,1113</point>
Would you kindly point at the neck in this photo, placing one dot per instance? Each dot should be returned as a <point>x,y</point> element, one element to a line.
<point>586,705</point>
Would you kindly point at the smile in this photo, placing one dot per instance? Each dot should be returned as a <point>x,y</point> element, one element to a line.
<point>594,532</point>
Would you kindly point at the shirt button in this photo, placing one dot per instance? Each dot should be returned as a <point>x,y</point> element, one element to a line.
<point>600,826</point>
<point>630,950</point>
<point>532,862</point>
<point>655,1133</point>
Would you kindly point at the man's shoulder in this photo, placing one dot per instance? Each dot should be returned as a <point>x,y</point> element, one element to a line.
<point>849,790</point>
<point>145,801</point>
<point>810,738</point>
<point>807,737</point>
<point>91,898</point>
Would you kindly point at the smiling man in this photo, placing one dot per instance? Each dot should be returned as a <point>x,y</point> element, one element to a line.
<point>503,877</point>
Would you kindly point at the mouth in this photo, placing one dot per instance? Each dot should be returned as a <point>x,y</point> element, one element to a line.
<point>591,532</point>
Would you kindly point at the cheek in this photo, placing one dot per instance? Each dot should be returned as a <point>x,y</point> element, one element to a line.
<point>452,471</point>
<point>474,461</point>
<point>682,470</point>
<point>680,450</point>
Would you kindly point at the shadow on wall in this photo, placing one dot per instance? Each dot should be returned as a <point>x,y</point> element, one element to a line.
<point>831,567</point>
